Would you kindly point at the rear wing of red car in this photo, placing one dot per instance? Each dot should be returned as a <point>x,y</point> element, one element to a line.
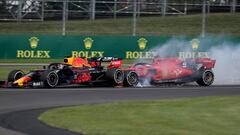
<point>206,62</point>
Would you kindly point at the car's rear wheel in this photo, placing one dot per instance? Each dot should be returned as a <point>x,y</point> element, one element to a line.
<point>130,78</point>
<point>50,79</point>
<point>206,78</point>
<point>15,75</point>
<point>115,76</point>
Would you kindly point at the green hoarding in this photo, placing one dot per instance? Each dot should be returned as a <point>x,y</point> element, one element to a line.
<point>126,47</point>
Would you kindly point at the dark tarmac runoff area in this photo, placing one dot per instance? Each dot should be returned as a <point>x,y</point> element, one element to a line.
<point>19,108</point>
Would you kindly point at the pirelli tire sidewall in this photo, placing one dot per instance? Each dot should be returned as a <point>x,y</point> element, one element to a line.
<point>50,78</point>
<point>114,76</point>
<point>130,79</point>
<point>206,78</point>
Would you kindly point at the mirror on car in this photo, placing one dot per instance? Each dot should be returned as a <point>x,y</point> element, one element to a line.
<point>44,67</point>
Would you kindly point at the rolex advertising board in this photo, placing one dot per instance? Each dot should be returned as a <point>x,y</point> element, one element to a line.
<point>126,47</point>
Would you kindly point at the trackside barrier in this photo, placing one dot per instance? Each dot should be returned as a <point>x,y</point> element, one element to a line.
<point>126,47</point>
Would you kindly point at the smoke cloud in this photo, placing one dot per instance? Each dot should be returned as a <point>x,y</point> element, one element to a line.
<point>227,68</point>
<point>224,51</point>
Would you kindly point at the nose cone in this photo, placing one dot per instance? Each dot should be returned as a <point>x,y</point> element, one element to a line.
<point>68,60</point>
<point>65,60</point>
<point>20,82</point>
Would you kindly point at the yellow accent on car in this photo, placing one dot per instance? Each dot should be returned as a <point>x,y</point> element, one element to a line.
<point>19,82</point>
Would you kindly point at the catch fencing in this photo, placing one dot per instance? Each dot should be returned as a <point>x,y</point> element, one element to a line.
<point>64,10</point>
<point>41,10</point>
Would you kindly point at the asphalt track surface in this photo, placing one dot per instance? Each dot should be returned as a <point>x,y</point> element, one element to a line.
<point>19,108</point>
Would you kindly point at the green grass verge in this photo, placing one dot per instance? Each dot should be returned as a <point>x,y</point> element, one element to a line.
<point>37,61</point>
<point>191,116</point>
<point>5,70</point>
<point>169,25</point>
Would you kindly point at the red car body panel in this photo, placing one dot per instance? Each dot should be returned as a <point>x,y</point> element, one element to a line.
<point>172,68</point>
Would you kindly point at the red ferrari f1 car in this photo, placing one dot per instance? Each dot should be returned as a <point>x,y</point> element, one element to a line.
<point>176,70</point>
<point>76,71</point>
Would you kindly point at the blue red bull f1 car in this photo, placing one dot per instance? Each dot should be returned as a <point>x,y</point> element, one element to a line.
<point>87,71</point>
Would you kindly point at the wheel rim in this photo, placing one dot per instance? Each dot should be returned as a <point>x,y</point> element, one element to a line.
<point>132,78</point>
<point>119,77</point>
<point>208,78</point>
<point>52,79</point>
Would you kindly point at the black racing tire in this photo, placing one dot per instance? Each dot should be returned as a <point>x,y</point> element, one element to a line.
<point>50,78</point>
<point>115,76</point>
<point>206,78</point>
<point>130,79</point>
<point>15,75</point>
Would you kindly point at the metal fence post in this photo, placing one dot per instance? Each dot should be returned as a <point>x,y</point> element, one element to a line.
<point>115,9</point>
<point>42,17</point>
<point>64,18</point>
<point>19,17</point>
<point>134,17</point>
<point>66,12</point>
<point>139,8</point>
<point>185,7</point>
<point>164,7</point>
<point>234,6</point>
<point>92,9</point>
<point>208,7</point>
<point>203,18</point>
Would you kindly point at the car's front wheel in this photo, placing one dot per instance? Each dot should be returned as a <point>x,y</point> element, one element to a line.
<point>50,79</point>
<point>15,75</point>
<point>131,78</point>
